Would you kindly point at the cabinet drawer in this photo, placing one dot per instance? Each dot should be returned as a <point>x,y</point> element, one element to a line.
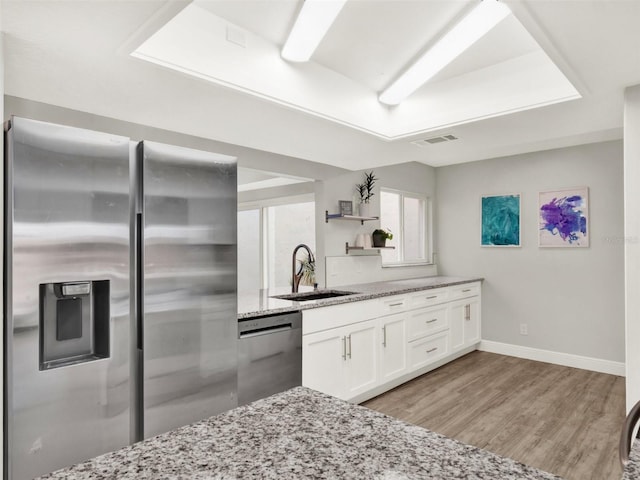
<point>429,297</point>
<point>423,352</point>
<point>464,291</point>
<point>334,316</point>
<point>394,304</point>
<point>425,321</point>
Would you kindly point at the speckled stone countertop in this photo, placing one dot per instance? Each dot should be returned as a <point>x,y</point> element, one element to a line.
<point>632,470</point>
<point>260,302</point>
<point>300,434</point>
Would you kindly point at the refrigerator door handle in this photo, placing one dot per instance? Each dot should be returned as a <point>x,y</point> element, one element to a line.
<point>139,281</point>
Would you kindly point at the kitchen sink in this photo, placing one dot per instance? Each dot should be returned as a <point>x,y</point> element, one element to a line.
<point>315,295</point>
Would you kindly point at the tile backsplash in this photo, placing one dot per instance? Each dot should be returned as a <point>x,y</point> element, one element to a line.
<point>347,270</point>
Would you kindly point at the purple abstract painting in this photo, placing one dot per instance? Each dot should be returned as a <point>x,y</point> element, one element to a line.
<point>564,218</point>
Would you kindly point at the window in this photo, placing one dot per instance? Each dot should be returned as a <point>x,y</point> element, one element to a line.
<point>249,249</point>
<point>406,215</point>
<point>267,235</point>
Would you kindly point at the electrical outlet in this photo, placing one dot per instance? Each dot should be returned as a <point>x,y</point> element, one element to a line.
<point>524,329</point>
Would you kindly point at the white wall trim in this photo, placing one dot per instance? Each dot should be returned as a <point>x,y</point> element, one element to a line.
<point>558,358</point>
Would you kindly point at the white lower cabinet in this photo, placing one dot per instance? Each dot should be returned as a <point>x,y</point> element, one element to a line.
<point>393,346</point>
<point>465,322</point>
<point>342,362</point>
<point>323,362</point>
<point>427,350</point>
<point>425,321</point>
<point>457,312</point>
<point>361,363</point>
<point>348,353</point>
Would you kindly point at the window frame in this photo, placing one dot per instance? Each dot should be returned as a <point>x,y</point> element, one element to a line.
<point>263,207</point>
<point>262,214</point>
<point>427,229</point>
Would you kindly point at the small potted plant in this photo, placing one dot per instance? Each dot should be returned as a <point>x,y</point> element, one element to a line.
<point>380,237</point>
<point>307,270</point>
<point>365,190</point>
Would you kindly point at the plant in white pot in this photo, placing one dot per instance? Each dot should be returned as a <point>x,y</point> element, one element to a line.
<point>365,190</point>
<point>307,270</point>
<point>380,237</point>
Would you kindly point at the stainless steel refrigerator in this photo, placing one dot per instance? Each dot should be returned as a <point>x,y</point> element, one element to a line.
<point>120,292</point>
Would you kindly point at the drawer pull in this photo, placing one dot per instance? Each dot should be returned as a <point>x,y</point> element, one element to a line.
<point>432,320</point>
<point>432,297</point>
<point>396,304</point>
<point>432,350</point>
<point>466,290</point>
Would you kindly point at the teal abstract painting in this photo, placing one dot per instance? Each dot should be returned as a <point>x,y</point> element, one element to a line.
<point>501,221</point>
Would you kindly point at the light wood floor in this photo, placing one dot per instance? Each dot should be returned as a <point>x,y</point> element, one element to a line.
<point>559,419</point>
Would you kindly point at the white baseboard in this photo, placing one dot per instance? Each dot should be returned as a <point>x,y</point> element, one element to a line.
<point>558,358</point>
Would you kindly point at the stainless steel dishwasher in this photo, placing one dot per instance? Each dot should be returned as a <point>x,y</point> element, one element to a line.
<point>269,355</point>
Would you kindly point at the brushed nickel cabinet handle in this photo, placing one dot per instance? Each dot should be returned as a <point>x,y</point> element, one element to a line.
<point>344,348</point>
<point>349,340</point>
<point>395,304</point>
<point>384,336</point>
<point>466,290</point>
<point>432,297</point>
<point>432,320</point>
<point>432,350</point>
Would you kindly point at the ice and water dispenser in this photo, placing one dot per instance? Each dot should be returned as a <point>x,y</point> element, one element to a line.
<point>74,322</point>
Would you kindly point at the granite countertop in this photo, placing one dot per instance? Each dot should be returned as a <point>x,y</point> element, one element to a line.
<point>260,302</point>
<point>300,434</point>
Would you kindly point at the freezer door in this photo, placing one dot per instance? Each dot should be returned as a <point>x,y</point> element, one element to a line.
<point>67,296</point>
<point>189,282</point>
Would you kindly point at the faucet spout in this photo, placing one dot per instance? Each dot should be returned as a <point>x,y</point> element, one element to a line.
<point>297,276</point>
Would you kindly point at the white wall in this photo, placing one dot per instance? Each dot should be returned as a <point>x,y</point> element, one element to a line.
<point>342,269</point>
<point>247,157</point>
<point>571,299</point>
<point>266,194</point>
<point>632,243</point>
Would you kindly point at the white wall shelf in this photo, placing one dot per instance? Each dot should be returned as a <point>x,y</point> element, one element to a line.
<point>348,247</point>
<point>339,216</point>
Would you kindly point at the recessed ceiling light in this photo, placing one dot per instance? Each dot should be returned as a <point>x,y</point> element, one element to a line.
<point>313,22</point>
<point>468,31</point>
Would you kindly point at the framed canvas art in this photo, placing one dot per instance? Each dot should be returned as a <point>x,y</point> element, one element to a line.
<point>346,207</point>
<point>500,216</point>
<point>563,216</point>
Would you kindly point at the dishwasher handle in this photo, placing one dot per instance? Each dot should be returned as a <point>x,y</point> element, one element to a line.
<point>265,331</point>
<point>269,324</point>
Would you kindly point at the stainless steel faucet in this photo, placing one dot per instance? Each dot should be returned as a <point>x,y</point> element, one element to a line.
<point>297,276</point>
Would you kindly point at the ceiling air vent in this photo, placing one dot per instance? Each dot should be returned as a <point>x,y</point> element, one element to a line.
<point>433,140</point>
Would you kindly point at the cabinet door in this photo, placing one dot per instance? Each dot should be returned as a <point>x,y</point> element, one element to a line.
<point>393,350</point>
<point>472,321</point>
<point>324,361</point>
<point>465,323</point>
<point>362,357</point>
<point>457,311</point>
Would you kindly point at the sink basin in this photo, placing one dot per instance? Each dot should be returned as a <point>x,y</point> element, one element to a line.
<point>315,295</point>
